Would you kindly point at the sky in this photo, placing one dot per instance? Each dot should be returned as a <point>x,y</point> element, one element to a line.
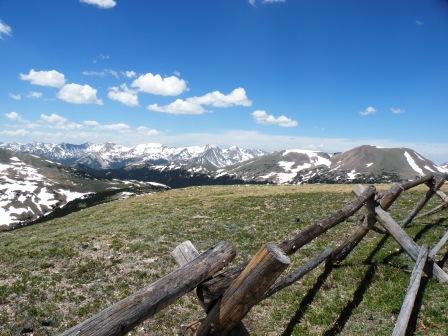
<point>270,74</point>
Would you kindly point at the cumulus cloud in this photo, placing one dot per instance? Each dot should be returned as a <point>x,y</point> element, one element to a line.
<point>114,127</point>
<point>53,118</point>
<point>123,95</point>
<point>130,74</point>
<point>5,30</point>
<point>17,96</point>
<point>369,110</point>
<point>104,4</point>
<point>147,131</point>
<point>195,105</point>
<point>13,116</point>
<point>158,85</point>
<point>50,78</point>
<point>34,95</point>
<point>397,110</point>
<point>56,128</point>
<point>79,94</point>
<point>263,118</point>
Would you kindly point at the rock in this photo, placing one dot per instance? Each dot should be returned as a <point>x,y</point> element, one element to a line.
<point>47,322</point>
<point>27,328</point>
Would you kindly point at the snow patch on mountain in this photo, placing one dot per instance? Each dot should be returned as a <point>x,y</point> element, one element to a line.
<point>413,164</point>
<point>25,193</point>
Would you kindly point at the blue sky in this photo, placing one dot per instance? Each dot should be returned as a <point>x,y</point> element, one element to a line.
<point>314,74</point>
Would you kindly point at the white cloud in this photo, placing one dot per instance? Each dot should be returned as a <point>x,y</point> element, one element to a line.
<point>17,96</point>
<point>123,95</point>
<point>50,78</point>
<point>419,23</point>
<point>369,110</point>
<point>195,105</point>
<point>130,74</point>
<point>13,116</point>
<point>53,118</point>
<point>104,4</point>
<point>34,95</point>
<point>147,131</point>
<point>94,73</point>
<point>158,85</point>
<point>263,118</point>
<point>79,94</point>
<point>397,110</point>
<point>179,106</point>
<point>15,133</point>
<point>90,123</point>
<point>5,30</point>
<point>115,127</point>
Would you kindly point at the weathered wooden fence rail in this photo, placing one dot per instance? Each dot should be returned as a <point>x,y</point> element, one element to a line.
<point>228,296</point>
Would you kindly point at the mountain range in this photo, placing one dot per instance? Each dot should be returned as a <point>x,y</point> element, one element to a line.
<point>33,189</point>
<point>209,164</point>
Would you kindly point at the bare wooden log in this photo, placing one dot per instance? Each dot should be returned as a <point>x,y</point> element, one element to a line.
<point>433,211</point>
<point>245,291</point>
<point>403,239</point>
<point>212,289</point>
<point>319,227</point>
<point>433,185</point>
<point>414,183</point>
<point>439,245</point>
<point>124,315</point>
<point>442,196</point>
<point>365,224</point>
<point>387,197</point>
<point>414,284</point>
<point>299,272</point>
<point>183,254</point>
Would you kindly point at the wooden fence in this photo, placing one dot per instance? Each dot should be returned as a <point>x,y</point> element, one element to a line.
<point>227,296</point>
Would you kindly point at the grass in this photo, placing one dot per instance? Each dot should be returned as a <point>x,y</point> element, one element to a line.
<point>65,270</point>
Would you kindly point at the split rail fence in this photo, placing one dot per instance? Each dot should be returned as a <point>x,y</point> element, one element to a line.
<point>227,296</point>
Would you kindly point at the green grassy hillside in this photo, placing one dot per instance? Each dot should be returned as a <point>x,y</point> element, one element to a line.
<point>55,274</point>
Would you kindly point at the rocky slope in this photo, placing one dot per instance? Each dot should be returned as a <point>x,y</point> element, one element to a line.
<point>32,188</point>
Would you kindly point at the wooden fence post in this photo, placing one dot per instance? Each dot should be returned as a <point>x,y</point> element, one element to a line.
<point>299,273</point>
<point>183,254</point>
<point>414,284</point>
<point>124,315</point>
<point>433,185</point>
<point>212,289</point>
<point>406,242</point>
<point>245,291</point>
<point>439,245</point>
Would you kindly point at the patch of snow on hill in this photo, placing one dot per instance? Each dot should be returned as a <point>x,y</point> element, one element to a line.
<point>26,192</point>
<point>413,164</point>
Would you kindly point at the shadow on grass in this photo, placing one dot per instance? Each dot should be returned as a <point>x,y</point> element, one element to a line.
<point>367,279</point>
<point>307,300</point>
<point>362,288</point>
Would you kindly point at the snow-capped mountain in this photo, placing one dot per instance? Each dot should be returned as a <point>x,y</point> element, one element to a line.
<point>31,188</point>
<point>360,164</point>
<point>445,166</point>
<point>113,156</point>
<point>371,164</point>
<point>277,167</point>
